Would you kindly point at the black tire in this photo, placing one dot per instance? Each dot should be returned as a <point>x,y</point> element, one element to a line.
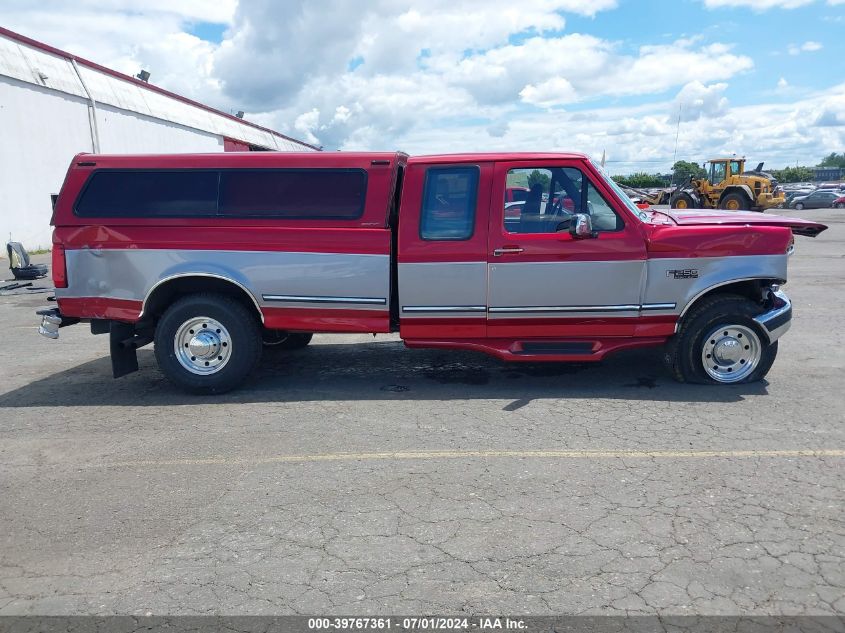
<point>683,353</point>
<point>243,331</point>
<point>739,199</point>
<point>840,205</point>
<point>798,206</point>
<point>280,339</point>
<point>683,198</point>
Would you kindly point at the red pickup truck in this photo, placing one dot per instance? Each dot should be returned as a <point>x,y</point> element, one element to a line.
<point>212,256</point>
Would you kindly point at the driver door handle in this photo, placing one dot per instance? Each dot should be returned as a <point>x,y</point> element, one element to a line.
<point>507,250</point>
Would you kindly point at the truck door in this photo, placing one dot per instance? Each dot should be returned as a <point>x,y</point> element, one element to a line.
<point>442,261</point>
<point>542,281</point>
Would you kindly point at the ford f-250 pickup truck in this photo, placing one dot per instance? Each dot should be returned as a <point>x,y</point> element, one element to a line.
<point>212,256</point>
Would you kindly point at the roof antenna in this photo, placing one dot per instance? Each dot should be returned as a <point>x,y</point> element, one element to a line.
<point>677,134</point>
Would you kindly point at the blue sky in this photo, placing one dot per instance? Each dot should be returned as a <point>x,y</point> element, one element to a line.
<point>763,78</point>
<point>766,36</point>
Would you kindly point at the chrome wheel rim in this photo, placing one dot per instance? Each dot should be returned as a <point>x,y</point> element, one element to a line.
<point>731,353</point>
<point>202,345</point>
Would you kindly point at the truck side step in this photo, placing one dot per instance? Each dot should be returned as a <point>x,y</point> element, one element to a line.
<point>530,351</point>
<point>556,348</point>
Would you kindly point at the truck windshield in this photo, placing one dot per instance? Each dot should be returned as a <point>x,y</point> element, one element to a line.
<point>639,213</point>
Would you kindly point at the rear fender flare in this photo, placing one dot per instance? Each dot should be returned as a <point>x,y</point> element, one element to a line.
<point>224,276</point>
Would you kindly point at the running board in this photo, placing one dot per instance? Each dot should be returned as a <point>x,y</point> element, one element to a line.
<point>555,348</point>
<point>523,351</point>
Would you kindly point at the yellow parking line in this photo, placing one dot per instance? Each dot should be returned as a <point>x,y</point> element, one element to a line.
<point>424,455</point>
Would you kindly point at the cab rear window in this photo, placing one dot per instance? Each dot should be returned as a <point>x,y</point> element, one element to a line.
<point>267,193</point>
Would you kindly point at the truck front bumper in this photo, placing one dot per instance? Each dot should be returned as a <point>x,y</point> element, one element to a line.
<point>52,320</point>
<point>776,321</point>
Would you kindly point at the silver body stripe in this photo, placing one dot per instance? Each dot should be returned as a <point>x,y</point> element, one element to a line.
<point>450,309</point>
<point>306,299</point>
<point>459,289</point>
<point>565,288</point>
<point>530,309</point>
<point>443,287</point>
<point>132,273</point>
<point>528,288</point>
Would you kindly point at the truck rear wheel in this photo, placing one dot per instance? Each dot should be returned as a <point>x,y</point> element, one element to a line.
<point>720,343</point>
<point>207,343</point>
<point>735,202</point>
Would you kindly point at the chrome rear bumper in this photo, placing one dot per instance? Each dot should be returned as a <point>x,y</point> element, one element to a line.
<point>51,321</point>
<point>776,321</point>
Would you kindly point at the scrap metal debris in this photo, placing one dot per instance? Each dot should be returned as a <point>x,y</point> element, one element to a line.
<point>8,288</point>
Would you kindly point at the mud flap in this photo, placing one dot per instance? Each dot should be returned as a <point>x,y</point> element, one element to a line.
<point>124,358</point>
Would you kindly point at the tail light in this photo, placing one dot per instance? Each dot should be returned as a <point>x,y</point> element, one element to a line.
<point>59,265</point>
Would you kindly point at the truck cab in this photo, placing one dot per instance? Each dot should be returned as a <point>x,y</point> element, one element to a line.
<point>209,256</point>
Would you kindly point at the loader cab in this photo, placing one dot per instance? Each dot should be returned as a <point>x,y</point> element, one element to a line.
<point>721,169</point>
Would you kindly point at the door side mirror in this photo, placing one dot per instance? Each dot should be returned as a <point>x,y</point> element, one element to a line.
<point>582,227</point>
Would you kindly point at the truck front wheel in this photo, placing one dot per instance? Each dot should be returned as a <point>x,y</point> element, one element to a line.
<point>720,343</point>
<point>207,343</point>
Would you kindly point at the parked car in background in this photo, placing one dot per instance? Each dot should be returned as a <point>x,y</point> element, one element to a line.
<point>516,194</point>
<point>839,203</point>
<point>795,193</point>
<point>819,199</point>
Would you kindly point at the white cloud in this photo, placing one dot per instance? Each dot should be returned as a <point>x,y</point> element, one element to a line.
<point>695,100</point>
<point>783,84</point>
<point>806,47</point>
<point>449,75</point>
<point>306,123</point>
<point>553,91</point>
<point>644,137</point>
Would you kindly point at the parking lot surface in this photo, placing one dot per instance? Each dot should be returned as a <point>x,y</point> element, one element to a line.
<point>359,477</point>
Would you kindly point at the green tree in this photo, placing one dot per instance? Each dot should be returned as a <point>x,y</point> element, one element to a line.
<point>793,174</point>
<point>538,177</point>
<point>641,180</point>
<point>683,170</point>
<point>833,160</point>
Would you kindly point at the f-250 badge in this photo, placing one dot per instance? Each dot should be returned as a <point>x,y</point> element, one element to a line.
<point>689,273</point>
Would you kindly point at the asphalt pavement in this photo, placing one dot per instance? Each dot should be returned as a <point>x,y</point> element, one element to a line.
<point>359,477</point>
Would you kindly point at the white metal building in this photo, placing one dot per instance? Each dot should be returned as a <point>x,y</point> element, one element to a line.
<point>54,105</point>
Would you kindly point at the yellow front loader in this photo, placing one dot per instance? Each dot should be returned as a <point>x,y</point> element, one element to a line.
<point>728,186</point>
